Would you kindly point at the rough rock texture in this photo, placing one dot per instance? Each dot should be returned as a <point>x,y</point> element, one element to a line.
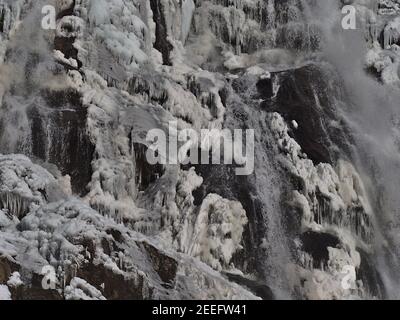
<point>78,101</point>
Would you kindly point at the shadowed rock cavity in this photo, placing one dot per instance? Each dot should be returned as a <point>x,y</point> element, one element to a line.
<point>316,245</point>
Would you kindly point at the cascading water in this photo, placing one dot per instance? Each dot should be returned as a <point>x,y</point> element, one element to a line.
<point>310,27</point>
<point>79,101</point>
<point>371,110</point>
<point>271,241</point>
<point>43,119</point>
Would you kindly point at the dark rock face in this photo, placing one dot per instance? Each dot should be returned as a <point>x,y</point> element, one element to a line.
<point>66,46</point>
<point>58,131</point>
<point>221,180</point>
<point>5,270</point>
<point>316,244</point>
<point>165,266</point>
<point>145,173</point>
<point>309,95</point>
<point>67,11</point>
<point>369,275</point>
<point>57,134</point>
<point>114,286</point>
<point>259,288</point>
<point>265,88</point>
<point>162,44</point>
<point>2,20</point>
<point>32,292</point>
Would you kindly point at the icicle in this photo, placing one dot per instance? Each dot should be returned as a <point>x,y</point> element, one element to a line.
<point>15,204</point>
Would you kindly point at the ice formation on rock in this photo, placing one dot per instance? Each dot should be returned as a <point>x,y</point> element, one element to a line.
<point>78,102</point>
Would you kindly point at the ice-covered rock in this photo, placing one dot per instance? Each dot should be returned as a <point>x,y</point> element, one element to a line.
<point>80,99</point>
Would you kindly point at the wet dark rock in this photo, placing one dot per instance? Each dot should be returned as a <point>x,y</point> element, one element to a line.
<point>370,276</point>
<point>34,291</point>
<point>316,244</point>
<point>265,88</point>
<point>150,86</point>
<point>116,286</point>
<point>161,44</point>
<point>67,12</point>
<point>2,20</point>
<point>309,95</point>
<point>165,266</point>
<point>117,235</point>
<point>146,173</point>
<point>222,180</point>
<point>59,136</point>
<point>354,218</point>
<point>5,270</point>
<point>62,98</point>
<point>66,46</point>
<point>257,287</point>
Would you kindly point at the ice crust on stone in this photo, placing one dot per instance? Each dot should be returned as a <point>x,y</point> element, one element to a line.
<point>79,289</point>
<point>124,225</point>
<point>69,235</point>
<point>344,189</point>
<point>15,280</point>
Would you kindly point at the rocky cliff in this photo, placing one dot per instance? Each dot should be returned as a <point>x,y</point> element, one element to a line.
<point>79,198</point>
